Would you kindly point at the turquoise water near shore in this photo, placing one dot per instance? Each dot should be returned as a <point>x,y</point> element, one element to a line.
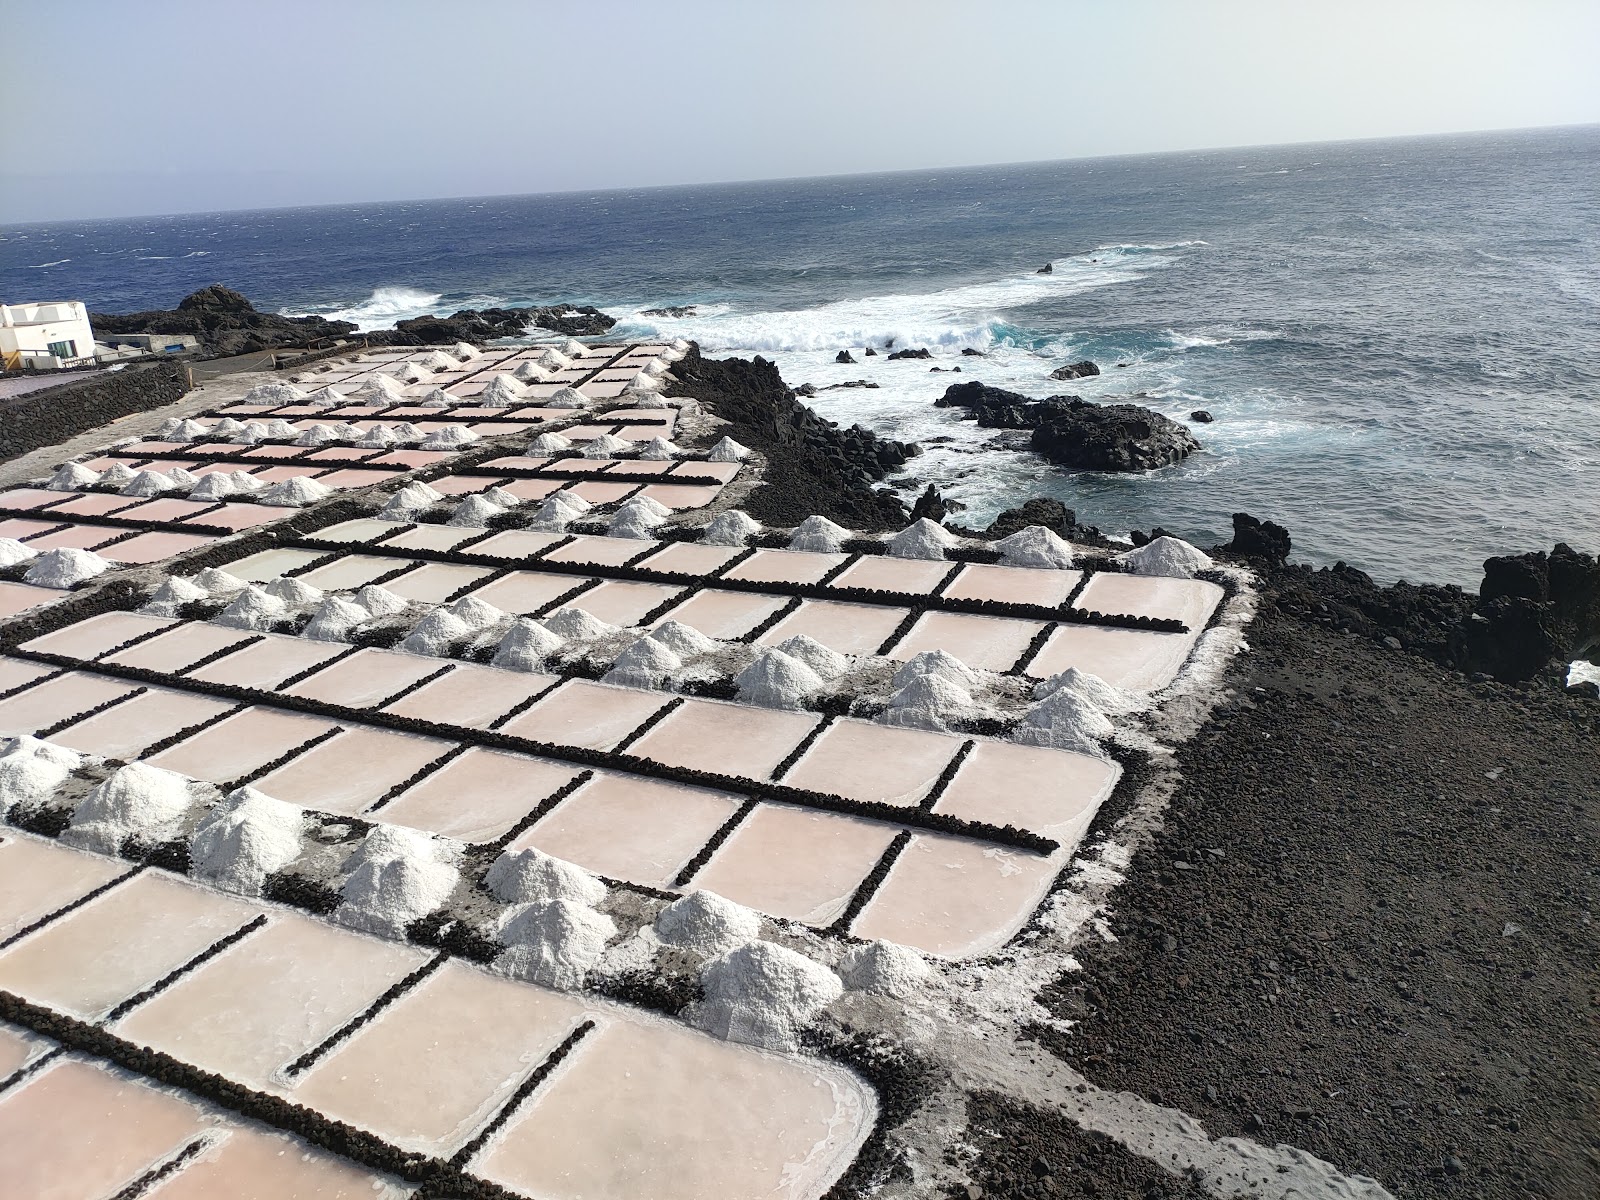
<point>1400,340</point>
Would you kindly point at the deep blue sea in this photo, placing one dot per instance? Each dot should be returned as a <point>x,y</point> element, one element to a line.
<point>1400,340</point>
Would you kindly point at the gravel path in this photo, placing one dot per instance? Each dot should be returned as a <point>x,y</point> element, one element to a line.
<point>1367,928</point>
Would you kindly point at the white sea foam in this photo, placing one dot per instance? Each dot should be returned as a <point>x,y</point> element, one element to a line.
<point>381,310</point>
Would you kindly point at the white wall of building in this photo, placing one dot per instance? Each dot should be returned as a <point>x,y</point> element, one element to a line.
<point>38,333</point>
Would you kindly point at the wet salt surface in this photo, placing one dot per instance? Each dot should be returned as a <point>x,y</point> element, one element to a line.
<point>581,713</point>
<point>1191,601</point>
<point>14,673</point>
<point>618,602</point>
<point>435,582</point>
<point>122,941</point>
<point>53,700</point>
<point>271,564</point>
<point>77,1129</point>
<point>725,615</point>
<point>351,769</point>
<point>126,730</point>
<point>185,643</point>
<point>478,796</point>
<point>1013,585</point>
<point>266,1000</point>
<point>689,558</point>
<point>795,863</point>
<point>695,1118</point>
<point>527,592</point>
<point>1135,659</point>
<point>846,628</point>
<point>86,639</point>
<point>785,566</point>
<point>38,877</point>
<point>20,597</point>
<point>352,571</point>
<point>239,745</point>
<point>365,678</point>
<point>439,1061</point>
<point>470,695</point>
<point>731,739</point>
<point>254,1164</point>
<point>267,663</point>
<point>1052,792</point>
<point>625,827</point>
<point>893,574</point>
<point>983,643</point>
<point>874,762</point>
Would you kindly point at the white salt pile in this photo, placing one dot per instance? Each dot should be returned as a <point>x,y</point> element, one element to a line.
<point>281,429</point>
<point>502,392</point>
<point>172,430</point>
<point>645,664</point>
<point>404,434</point>
<point>325,397</point>
<point>13,552</point>
<point>650,400</point>
<point>137,801</point>
<point>380,601</point>
<point>334,619</point>
<point>683,640</point>
<point>826,662</point>
<point>818,535</point>
<point>172,595</point>
<point>379,437</point>
<point>294,592</point>
<point>573,348</point>
<point>555,943</point>
<point>921,539</point>
<point>474,511</point>
<point>149,483</point>
<point>396,876</point>
<point>928,702</point>
<point>728,450</point>
<point>437,633</point>
<point>476,612</point>
<point>72,477</point>
<point>226,428</point>
<point>732,528</point>
<point>936,662</point>
<point>317,435</point>
<point>567,397</point>
<point>886,968</point>
<point>218,485</point>
<point>378,389</point>
<point>464,351</point>
<point>656,366</point>
<point>499,495</point>
<point>437,398</point>
<point>344,431</point>
<point>218,582</point>
<point>251,433</point>
<point>526,646</point>
<point>553,360</point>
<point>295,493</point>
<point>706,923</point>
<point>1104,696</point>
<point>451,437</point>
<point>659,449</point>
<point>607,445</point>
<point>548,445</point>
<point>576,625</point>
<point>555,513</point>
<point>529,372</point>
<point>409,372</point>
<point>638,518</point>
<point>775,680</point>
<point>763,995</point>
<point>115,475</point>
<point>438,360</point>
<point>410,500</point>
<point>64,568</point>
<point>532,877</point>
<point>32,770</point>
<point>253,608</point>
<point>244,839</point>
<point>1035,546</point>
<point>681,345</point>
<point>642,382</point>
<point>1066,721</point>
<point>274,393</point>
<point>1168,557</point>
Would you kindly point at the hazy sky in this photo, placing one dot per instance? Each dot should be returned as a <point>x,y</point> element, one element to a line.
<point>158,106</point>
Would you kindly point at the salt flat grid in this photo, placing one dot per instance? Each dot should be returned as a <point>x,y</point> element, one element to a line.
<point>848,827</point>
<point>426,1055</point>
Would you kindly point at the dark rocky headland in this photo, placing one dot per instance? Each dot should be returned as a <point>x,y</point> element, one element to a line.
<point>226,323</point>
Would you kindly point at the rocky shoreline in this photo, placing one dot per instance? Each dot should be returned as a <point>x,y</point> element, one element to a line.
<point>226,324</point>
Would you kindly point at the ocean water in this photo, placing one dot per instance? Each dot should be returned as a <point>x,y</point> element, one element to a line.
<point>1400,340</point>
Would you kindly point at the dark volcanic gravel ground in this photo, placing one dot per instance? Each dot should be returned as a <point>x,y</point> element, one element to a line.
<point>1368,927</point>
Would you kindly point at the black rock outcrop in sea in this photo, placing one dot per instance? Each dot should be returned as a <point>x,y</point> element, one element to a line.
<point>226,323</point>
<point>1075,433</point>
<point>1077,370</point>
<point>918,353</point>
<point>813,466</point>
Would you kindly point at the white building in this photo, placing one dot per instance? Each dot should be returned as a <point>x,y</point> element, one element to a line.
<point>47,335</point>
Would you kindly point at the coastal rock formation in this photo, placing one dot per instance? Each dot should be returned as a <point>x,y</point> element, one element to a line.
<point>677,311</point>
<point>813,467</point>
<point>226,323</point>
<point>850,383</point>
<point>919,353</point>
<point>969,352</point>
<point>1076,433</point>
<point>1253,538</point>
<point>1077,370</point>
<point>1047,269</point>
<point>843,357</point>
<point>1199,416</point>
<point>1535,609</point>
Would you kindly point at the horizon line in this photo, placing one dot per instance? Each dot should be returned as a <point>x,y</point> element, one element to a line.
<point>747,182</point>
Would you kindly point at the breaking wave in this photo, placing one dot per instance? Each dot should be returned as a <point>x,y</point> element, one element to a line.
<point>381,310</point>
<point>42,266</point>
